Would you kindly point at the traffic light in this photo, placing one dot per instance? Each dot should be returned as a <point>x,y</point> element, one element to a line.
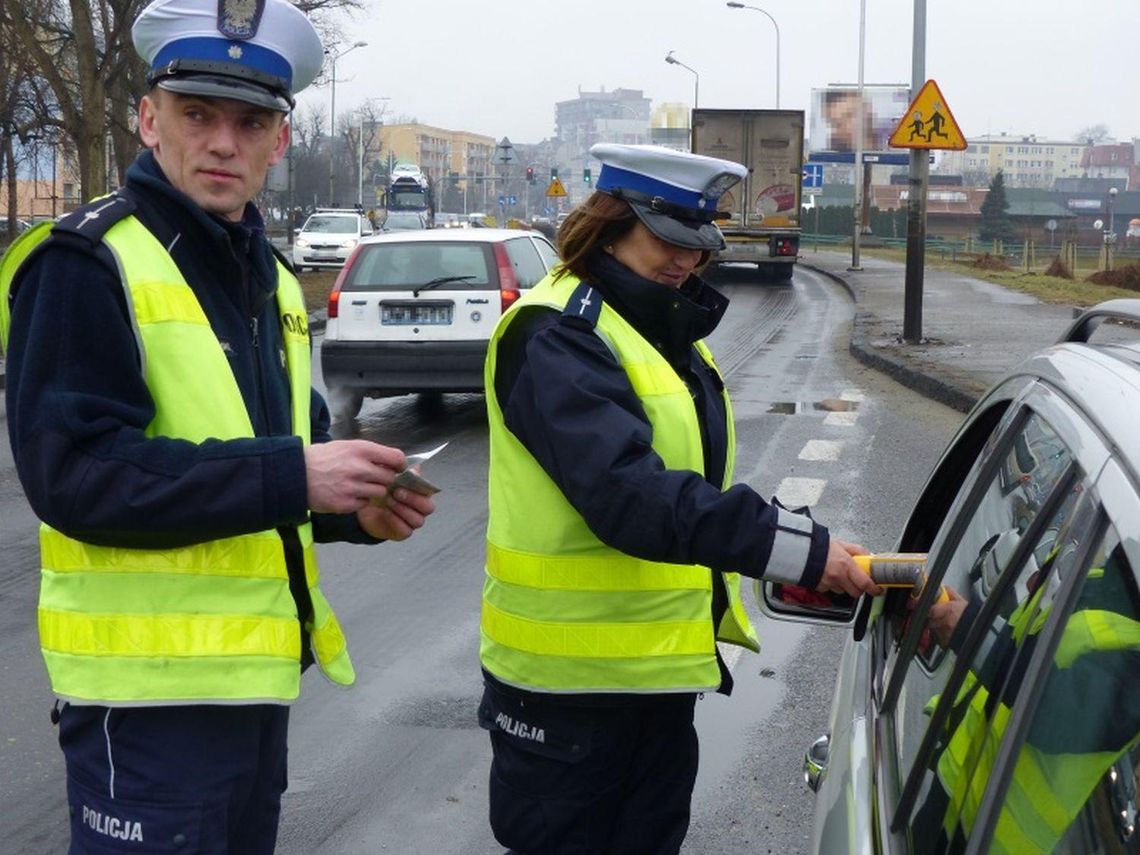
<point>553,172</point>
<point>586,174</point>
<point>530,175</point>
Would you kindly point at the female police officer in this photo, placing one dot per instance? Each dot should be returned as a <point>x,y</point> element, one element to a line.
<point>615,536</point>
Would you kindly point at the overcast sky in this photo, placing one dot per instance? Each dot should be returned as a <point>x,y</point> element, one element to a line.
<point>1049,67</point>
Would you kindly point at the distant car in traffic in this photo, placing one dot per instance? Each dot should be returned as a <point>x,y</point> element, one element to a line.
<point>398,221</point>
<point>412,311</point>
<point>1005,718</point>
<point>328,237</point>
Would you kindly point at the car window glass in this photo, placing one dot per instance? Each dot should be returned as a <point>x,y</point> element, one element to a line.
<point>529,268</point>
<point>548,253</point>
<point>969,740</point>
<point>402,266</point>
<point>1074,782</point>
<point>1029,467</point>
<point>331,224</point>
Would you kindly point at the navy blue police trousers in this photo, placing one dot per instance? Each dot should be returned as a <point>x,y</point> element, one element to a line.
<point>191,779</point>
<point>590,779</point>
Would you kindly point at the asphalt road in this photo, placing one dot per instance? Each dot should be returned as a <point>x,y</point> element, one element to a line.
<point>397,764</point>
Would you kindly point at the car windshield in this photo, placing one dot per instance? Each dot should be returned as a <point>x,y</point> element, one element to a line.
<point>331,224</point>
<point>407,266</point>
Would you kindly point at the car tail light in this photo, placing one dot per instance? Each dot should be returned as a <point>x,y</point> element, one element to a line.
<point>508,284</point>
<point>787,246</point>
<point>334,294</point>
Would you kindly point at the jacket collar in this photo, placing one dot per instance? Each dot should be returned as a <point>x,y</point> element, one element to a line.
<point>669,318</point>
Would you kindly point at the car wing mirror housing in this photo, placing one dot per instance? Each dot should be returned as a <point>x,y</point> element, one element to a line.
<point>781,601</point>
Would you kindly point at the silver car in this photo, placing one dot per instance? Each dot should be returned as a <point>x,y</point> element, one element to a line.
<point>994,705</point>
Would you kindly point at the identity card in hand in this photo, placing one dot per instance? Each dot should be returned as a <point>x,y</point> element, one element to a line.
<point>414,481</point>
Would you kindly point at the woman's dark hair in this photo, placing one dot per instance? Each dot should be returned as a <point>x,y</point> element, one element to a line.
<point>598,221</point>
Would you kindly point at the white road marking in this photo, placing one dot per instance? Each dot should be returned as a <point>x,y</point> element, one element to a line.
<point>730,653</point>
<point>795,492</point>
<point>841,419</point>
<point>851,395</point>
<point>821,449</point>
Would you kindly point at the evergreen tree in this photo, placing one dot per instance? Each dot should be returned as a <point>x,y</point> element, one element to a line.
<point>996,224</point>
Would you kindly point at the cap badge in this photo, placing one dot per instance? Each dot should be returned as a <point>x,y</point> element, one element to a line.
<point>235,51</point>
<point>239,19</point>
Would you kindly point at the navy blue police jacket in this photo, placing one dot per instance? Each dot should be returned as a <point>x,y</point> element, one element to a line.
<point>570,403</point>
<point>78,405</point>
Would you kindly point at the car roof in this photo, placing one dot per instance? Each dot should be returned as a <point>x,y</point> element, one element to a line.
<point>452,236</point>
<point>1101,378</point>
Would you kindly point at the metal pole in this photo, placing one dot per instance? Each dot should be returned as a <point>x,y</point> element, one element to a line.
<point>53,150</point>
<point>360,165</point>
<point>857,175</point>
<point>916,203</point>
<point>332,133</point>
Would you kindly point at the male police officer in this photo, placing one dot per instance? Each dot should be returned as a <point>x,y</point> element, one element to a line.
<point>162,422</point>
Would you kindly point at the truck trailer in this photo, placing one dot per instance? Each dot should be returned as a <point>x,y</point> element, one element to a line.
<point>763,226</point>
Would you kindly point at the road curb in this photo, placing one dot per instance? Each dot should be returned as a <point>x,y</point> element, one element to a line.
<point>944,392</point>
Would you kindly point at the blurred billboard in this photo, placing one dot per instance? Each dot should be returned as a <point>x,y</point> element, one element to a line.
<point>832,123</point>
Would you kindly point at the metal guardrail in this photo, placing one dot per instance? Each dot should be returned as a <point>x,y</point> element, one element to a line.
<point>1016,254</point>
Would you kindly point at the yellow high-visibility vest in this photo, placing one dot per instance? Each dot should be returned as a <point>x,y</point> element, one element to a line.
<point>212,622</point>
<point>1047,790</point>
<point>563,612</point>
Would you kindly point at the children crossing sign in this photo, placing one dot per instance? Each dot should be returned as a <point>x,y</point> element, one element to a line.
<point>928,123</point>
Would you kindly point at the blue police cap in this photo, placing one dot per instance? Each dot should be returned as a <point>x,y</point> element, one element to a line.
<point>673,193</point>
<point>259,51</point>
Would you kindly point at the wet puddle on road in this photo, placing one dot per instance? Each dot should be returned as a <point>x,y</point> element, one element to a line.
<point>826,405</point>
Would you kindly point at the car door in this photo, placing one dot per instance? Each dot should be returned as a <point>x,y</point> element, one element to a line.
<point>1009,519</point>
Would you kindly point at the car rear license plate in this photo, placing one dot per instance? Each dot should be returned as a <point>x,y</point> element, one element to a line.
<point>402,314</point>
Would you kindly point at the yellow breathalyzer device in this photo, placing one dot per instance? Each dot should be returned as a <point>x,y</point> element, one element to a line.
<point>898,570</point>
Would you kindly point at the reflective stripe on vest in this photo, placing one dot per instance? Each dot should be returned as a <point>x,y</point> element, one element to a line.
<point>563,612</point>
<point>1046,791</point>
<point>210,622</point>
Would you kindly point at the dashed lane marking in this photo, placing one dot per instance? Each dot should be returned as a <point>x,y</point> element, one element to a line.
<point>841,419</point>
<point>851,395</point>
<point>795,492</point>
<point>821,449</point>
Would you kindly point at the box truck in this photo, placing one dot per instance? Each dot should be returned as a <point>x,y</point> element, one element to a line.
<point>763,224</point>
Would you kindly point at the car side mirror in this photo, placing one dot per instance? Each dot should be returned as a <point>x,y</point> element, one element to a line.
<point>296,231</point>
<point>781,601</point>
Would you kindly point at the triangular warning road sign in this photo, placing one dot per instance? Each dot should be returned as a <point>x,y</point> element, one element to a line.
<point>928,123</point>
<point>555,188</point>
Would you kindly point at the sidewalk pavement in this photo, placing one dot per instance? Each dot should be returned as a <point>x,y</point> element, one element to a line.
<point>973,332</point>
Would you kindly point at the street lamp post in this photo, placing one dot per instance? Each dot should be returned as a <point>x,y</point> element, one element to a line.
<point>859,131</point>
<point>332,119</point>
<point>672,60</point>
<point>1110,235</point>
<point>734,5</point>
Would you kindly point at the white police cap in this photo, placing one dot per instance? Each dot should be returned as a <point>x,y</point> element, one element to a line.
<point>258,51</point>
<point>673,193</point>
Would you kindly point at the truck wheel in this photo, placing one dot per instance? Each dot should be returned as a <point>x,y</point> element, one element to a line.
<point>345,404</point>
<point>777,274</point>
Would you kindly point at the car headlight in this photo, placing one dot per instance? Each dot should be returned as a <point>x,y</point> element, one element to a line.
<point>301,242</point>
<point>347,244</point>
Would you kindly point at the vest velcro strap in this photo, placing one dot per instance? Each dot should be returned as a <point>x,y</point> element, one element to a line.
<point>597,640</point>
<point>257,556</point>
<point>609,572</point>
<point>157,302</point>
<point>648,380</point>
<point>168,635</point>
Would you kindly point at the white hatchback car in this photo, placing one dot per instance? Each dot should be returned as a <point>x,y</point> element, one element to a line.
<point>413,311</point>
<point>328,237</point>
